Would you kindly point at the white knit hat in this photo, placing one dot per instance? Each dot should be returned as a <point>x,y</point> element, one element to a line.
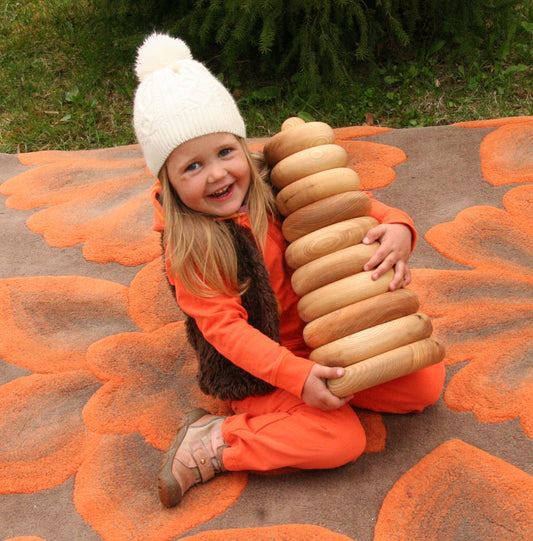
<point>177,99</point>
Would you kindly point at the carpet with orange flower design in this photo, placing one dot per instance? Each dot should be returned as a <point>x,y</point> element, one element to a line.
<point>95,370</point>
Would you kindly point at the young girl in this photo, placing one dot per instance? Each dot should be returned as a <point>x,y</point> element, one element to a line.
<point>224,255</point>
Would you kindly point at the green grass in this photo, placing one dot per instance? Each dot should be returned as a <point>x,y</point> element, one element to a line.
<point>65,79</point>
<point>66,82</point>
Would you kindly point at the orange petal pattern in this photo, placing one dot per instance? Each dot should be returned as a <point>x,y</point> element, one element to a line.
<point>499,387</point>
<point>105,399</point>
<point>25,538</point>
<point>292,532</point>
<point>458,492</point>
<point>351,132</point>
<point>131,153</point>
<point>373,162</point>
<point>150,381</point>
<point>485,315</point>
<point>506,153</point>
<point>494,122</point>
<point>49,321</point>
<point>256,145</point>
<point>490,238</point>
<point>152,302</point>
<point>99,198</point>
<point>44,440</point>
<point>145,378</point>
<point>116,494</point>
<point>376,433</point>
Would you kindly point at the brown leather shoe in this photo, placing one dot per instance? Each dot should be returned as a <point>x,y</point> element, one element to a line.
<point>194,456</point>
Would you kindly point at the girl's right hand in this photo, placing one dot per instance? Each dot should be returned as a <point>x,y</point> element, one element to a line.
<point>316,393</point>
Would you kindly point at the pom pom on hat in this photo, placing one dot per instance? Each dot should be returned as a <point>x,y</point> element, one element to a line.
<point>177,99</point>
<point>160,51</point>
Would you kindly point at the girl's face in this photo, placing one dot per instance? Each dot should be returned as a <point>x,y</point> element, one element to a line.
<point>210,173</point>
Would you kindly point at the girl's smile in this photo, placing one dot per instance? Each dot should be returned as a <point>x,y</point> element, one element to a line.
<point>223,193</point>
<point>210,173</point>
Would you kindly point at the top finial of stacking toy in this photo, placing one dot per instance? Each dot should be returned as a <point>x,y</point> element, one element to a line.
<point>292,122</point>
<point>297,135</point>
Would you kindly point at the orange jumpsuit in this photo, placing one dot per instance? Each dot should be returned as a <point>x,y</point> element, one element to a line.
<point>279,430</point>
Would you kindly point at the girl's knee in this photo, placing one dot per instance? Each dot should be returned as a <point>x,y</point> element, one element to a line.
<point>408,394</point>
<point>354,447</point>
<point>431,383</point>
<point>348,441</point>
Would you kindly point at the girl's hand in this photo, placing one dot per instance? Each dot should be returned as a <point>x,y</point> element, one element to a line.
<point>316,393</point>
<point>394,251</point>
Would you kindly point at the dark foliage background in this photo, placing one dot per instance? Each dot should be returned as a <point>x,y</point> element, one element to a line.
<point>309,42</point>
<point>67,80</point>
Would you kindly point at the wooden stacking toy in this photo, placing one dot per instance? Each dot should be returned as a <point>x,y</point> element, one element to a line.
<point>351,320</point>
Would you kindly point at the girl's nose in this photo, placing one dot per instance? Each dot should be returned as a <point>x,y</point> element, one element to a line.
<point>216,172</point>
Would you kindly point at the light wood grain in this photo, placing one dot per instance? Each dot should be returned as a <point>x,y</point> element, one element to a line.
<point>327,240</point>
<point>294,139</point>
<point>332,267</point>
<point>325,212</point>
<point>360,315</point>
<point>387,366</point>
<point>292,122</point>
<point>374,341</point>
<point>341,293</point>
<point>307,162</point>
<point>315,187</point>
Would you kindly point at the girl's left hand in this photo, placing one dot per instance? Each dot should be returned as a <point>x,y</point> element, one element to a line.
<point>394,251</point>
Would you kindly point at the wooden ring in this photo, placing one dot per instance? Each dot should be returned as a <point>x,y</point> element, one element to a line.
<point>360,315</point>
<point>307,162</point>
<point>327,240</point>
<point>374,341</point>
<point>312,188</point>
<point>332,267</point>
<point>291,140</point>
<point>327,211</point>
<point>387,366</point>
<point>341,293</point>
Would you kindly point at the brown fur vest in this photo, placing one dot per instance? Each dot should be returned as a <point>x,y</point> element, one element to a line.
<point>217,375</point>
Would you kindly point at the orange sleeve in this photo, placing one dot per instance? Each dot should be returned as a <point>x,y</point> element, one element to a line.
<point>224,323</point>
<point>390,215</point>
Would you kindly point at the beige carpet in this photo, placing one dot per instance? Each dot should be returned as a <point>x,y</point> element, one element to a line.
<point>95,371</point>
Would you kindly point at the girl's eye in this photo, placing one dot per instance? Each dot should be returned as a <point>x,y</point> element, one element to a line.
<point>225,152</point>
<point>192,166</point>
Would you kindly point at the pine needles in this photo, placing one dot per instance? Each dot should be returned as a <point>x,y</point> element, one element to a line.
<point>66,75</point>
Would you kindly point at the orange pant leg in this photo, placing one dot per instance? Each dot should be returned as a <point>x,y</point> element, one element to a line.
<point>408,394</point>
<point>280,431</point>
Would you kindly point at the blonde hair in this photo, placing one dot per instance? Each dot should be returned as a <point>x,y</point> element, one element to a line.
<point>200,248</point>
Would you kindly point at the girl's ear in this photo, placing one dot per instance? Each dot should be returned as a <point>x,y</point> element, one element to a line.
<point>157,201</point>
